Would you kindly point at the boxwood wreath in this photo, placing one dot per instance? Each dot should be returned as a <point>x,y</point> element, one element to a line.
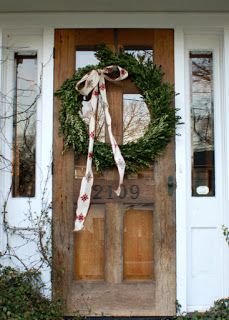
<point>157,94</point>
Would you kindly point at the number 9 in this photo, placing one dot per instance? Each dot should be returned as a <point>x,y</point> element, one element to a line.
<point>134,190</point>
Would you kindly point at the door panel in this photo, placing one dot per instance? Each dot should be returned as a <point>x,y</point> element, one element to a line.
<point>123,262</point>
<point>138,244</point>
<point>89,246</point>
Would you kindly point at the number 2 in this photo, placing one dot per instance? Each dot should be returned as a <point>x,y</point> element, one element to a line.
<point>98,189</point>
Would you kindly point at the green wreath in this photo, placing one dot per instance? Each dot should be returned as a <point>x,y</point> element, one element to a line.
<point>157,94</point>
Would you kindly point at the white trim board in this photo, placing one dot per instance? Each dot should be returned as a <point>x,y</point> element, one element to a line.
<point>113,20</point>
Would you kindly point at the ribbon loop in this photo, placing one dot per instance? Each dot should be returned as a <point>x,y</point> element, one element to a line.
<point>94,82</point>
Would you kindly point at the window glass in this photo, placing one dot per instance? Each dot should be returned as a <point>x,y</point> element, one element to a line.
<point>139,51</point>
<point>84,58</point>
<point>24,125</point>
<point>202,121</point>
<point>136,117</point>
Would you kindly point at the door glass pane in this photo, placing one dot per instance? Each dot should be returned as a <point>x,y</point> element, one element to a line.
<point>140,51</point>
<point>89,246</point>
<point>138,244</point>
<point>100,120</point>
<point>202,121</point>
<point>84,58</point>
<point>24,125</point>
<point>136,117</point>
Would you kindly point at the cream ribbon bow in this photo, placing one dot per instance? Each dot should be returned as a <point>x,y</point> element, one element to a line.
<point>94,82</point>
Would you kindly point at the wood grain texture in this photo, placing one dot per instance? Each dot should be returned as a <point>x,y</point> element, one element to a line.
<point>113,247</point>
<point>138,244</point>
<point>165,217</point>
<point>115,99</point>
<point>133,191</point>
<point>89,246</point>
<point>63,173</point>
<point>114,296</point>
<point>136,38</point>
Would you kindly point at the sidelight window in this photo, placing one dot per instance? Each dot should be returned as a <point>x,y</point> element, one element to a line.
<point>202,123</point>
<point>24,125</point>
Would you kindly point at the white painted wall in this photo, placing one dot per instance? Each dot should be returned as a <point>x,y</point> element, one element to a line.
<point>199,235</point>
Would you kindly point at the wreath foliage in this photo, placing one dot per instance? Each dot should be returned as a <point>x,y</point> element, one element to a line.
<point>157,94</point>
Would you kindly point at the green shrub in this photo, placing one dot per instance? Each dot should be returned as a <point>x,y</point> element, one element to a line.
<point>21,297</point>
<point>220,311</point>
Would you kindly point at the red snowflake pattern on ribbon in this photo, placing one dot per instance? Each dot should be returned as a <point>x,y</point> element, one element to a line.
<point>123,72</point>
<point>102,86</point>
<point>84,197</point>
<point>90,155</point>
<point>80,217</point>
<point>92,134</point>
<point>109,69</point>
<point>96,93</point>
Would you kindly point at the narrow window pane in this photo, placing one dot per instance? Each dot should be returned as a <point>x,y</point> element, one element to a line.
<point>84,58</point>
<point>136,117</point>
<point>140,51</point>
<point>24,126</point>
<point>202,120</point>
<point>138,245</point>
<point>89,246</point>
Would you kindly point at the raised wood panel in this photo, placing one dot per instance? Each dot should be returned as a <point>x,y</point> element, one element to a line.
<point>89,246</point>
<point>164,52</point>
<point>138,245</point>
<point>90,38</point>
<point>136,37</point>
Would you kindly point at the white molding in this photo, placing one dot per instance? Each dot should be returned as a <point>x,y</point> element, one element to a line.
<point>2,177</point>
<point>181,203</point>
<point>112,20</point>
<point>225,117</point>
<point>46,114</point>
<point>46,119</point>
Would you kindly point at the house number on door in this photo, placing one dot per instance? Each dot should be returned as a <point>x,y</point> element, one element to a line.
<point>133,191</point>
<point>107,192</point>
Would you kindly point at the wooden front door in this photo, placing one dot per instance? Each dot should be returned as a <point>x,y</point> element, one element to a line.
<point>123,262</point>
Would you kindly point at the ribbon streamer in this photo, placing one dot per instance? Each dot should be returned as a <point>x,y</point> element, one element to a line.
<point>94,82</point>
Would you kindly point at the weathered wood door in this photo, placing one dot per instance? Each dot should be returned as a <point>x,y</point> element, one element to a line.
<point>123,262</point>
